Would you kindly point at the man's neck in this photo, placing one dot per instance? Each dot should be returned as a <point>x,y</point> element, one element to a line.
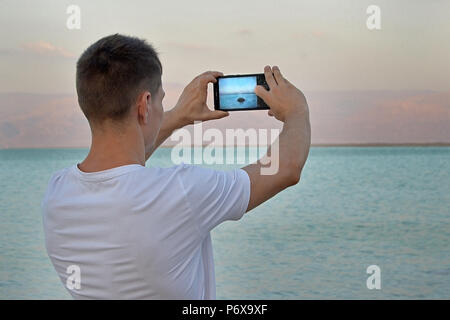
<point>110,149</point>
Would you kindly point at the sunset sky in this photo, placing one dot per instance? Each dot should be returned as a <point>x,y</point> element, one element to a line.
<point>324,47</point>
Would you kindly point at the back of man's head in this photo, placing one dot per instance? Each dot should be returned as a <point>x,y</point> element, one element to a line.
<point>112,72</point>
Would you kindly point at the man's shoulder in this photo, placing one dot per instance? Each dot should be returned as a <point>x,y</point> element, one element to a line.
<point>194,176</point>
<point>186,174</point>
<point>183,170</point>
<point>190,172</point>
<point>59,173</point>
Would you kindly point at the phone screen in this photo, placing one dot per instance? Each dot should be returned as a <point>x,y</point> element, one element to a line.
<point>237,92</point>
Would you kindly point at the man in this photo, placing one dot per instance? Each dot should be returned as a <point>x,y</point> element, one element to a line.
<point>115,229</point>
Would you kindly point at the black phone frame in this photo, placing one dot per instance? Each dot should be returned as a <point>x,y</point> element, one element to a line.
<point>260,80</point>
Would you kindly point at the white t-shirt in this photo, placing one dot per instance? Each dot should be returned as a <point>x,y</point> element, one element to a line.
<point>139,233</point>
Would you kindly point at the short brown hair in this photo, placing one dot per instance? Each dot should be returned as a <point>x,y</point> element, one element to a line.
<point>112,72</point>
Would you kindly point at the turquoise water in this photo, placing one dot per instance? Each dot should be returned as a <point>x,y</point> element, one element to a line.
<point>230,101</point>
<point>354,207</point>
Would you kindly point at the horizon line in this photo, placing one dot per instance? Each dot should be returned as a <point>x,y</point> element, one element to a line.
<point>320,145</point>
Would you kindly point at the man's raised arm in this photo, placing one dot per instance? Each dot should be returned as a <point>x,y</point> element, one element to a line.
<point>191,107</point>
<point>287,104</point>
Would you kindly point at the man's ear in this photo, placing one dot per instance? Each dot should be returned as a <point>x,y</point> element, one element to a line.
<point>143,105</point>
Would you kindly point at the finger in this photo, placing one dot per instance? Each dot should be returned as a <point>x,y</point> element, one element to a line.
<point>261,92</point>
<point>270,113</point>
<point>287,81</point>
<point>208,78</point>
<point>214,73</point>
<point>269,77</point>
<point>277,74</point>
<point>217,74</point>
<point>216,114</point>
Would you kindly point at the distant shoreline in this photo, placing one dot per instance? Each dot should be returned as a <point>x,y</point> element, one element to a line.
<point>432,144</point>
<point>320,145</point>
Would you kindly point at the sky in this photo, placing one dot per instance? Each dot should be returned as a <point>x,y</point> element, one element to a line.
<point>237,85</point>
<point>323,47</point>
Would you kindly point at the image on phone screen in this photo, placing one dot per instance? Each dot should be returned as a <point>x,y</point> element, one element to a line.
<point>237,93</point>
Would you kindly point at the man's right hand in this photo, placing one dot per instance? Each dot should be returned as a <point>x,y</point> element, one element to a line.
<point>283,98</point>
<point>191,105</point>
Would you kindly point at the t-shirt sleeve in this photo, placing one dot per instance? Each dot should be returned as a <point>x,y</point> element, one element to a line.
<point>215,196</point>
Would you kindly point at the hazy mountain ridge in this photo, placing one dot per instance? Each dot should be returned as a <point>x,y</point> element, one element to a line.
<point>46,120</point>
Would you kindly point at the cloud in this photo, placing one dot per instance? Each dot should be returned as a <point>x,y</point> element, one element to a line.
<point>244,32</point>
<point>47,49</point>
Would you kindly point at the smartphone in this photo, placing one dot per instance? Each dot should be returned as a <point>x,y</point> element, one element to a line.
<point>236,92</point>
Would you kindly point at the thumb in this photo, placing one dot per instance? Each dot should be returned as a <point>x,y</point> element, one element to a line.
<point>216,114</point>
<point>261,92</point>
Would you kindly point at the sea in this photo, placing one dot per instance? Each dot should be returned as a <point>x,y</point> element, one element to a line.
<point>230,101</point>
<point>355,210</point>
